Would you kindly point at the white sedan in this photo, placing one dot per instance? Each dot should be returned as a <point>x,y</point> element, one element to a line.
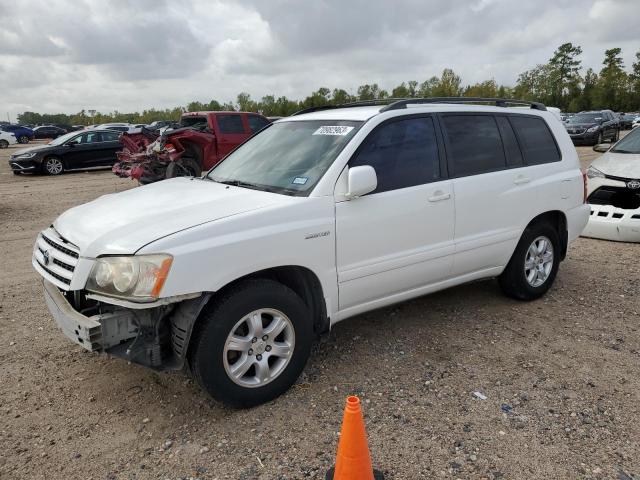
<point>6,139</point>
<point>614,191</point>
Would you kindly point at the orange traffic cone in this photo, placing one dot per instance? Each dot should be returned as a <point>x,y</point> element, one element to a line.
<point>353,461</point>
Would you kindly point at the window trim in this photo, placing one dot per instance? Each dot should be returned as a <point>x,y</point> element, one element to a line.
<point>450,160</point>
<point>553,137</point>
<point>444,172</point>
<point>504,147</point>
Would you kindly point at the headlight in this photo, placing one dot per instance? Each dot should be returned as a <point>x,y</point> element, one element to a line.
<point>26,155</point>
<point>594,173</point>
<point>592,129</point>
<point>136,277</point>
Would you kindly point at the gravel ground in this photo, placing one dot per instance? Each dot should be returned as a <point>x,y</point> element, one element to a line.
<point>565,367</point>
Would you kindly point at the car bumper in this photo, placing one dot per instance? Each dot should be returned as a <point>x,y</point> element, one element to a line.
<point>610,223</point>
<point>23,165</point>
<point>584,138</point>
<point>85,331</point>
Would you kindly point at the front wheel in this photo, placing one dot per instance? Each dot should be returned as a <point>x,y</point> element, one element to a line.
<point>183,167</point>
<point>52,166</point>
<point>534,264</point>
<point>616,137</point>
<point>251,345</point>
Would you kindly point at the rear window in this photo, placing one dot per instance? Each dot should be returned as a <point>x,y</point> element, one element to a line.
<point>536,140</point>
<point>474,145</point>
<point>257,123</point>
<point>230,124</point>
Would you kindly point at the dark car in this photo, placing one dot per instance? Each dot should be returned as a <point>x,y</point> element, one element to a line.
<point>626,120</point>
<point>48,131</point>
<point>591,128</point>
<point>72,151</point>
<point>22,133</point>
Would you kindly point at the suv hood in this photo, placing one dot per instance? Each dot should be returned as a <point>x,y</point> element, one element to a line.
<point>122,223</point>
<point>626,165</point>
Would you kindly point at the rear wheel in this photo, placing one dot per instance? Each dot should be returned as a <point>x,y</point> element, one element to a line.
<point>184,167</point>
<point>534,264</point>
<point>52,166</point>
<point>251,345</point>
<point>4,144</point>
<point>23,139</point>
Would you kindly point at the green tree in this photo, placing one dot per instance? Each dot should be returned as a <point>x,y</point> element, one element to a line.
<point>564,74</point>
<point>610,90</point>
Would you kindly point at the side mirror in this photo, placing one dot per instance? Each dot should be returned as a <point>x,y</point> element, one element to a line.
<point>602,147</point>
<point>362,180</point>
<point>70,144</point>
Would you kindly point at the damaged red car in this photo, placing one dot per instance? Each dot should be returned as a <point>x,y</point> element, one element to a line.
<point>202,140</point>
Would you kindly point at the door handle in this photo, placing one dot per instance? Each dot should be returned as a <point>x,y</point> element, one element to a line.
<point>521,180</point>
<point>439,196</point>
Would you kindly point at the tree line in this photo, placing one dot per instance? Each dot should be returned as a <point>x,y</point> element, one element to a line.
<point>560,82</point>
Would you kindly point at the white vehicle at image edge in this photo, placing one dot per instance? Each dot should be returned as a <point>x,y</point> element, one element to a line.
<point>6,139</point>
<point>321,216</point>
<point>614,191</point>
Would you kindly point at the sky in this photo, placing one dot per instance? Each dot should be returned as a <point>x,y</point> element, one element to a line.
<point>62,56</point>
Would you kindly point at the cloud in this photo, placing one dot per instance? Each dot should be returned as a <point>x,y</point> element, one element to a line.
<point>128,55</point>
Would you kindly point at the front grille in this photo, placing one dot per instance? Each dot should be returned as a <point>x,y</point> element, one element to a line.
<point>619,197</point>
<point>55,258</point>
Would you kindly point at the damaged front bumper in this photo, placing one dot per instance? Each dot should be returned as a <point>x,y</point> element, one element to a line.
<point>155,337</point>
<point>611,223</point>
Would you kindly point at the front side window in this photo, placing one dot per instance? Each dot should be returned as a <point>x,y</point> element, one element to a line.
<point>288,157</point>
<point>536,140</point>
<point>404,153</point>
<point>474,145</point>
<point>230,124</point>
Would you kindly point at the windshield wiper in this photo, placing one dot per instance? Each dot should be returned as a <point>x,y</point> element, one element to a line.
<point>615,150</point>
<point>240,183</point>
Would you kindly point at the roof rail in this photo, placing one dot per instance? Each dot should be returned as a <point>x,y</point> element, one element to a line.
<point>499,102</point>
<point>360,103</point>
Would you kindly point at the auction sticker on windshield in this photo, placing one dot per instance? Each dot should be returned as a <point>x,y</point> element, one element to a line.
<point>333,130</point>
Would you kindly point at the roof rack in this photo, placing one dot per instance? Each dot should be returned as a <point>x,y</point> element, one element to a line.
<point>499,102</point>
<point>361,103</point>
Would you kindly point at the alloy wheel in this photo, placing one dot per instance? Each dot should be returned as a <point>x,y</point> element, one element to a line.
<point>538,262</point>
<point>259,348</point>
<point>53,166</point>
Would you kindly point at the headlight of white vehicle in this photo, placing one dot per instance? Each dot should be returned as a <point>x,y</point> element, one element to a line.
<point>136,277</point>
<point>594,173</point>
<point>593,129</point>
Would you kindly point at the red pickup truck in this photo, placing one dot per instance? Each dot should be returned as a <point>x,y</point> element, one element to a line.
<point>202,140</point>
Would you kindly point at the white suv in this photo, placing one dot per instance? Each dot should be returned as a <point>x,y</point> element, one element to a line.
<point>319,217</point>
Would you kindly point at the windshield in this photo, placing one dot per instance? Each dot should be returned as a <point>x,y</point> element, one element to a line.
<point>586,118</point>
<point>629,144</point>
<point>62,139</point>
<point>287,157</point>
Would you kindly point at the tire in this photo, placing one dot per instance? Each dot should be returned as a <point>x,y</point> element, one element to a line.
<point>23,139</point>
<point>16,172</point>
<point>4,144</point>
<point>184,167</point>
<point>516,280</point>
<point>615,137</point>
<point>213,355</point>
<point>52,166</point>
<point>599,139</point>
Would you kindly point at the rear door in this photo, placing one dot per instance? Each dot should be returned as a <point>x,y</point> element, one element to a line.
<point>494,191</point>
<point>106,148</point>
<point>230,132</point>
<point>399,237</point>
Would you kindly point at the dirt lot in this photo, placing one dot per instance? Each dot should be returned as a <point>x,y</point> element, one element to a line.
<point>568,364</point>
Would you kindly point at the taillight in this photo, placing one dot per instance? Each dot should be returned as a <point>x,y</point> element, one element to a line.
<point>169,147</point>
<point>584,192</point>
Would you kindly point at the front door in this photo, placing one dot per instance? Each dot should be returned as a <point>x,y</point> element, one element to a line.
<point>399,237</point>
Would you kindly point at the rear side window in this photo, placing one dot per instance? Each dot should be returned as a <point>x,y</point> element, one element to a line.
<point>473,144</point>
<point>230,124</point>
<point>110,137</point>
<point>511,148</point>
<point>257,123</point>
<point>537,142</point>
<point>404,153</point>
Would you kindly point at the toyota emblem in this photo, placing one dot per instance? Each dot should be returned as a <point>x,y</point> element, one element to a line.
<point>45,257</point>
<point>633,184</point>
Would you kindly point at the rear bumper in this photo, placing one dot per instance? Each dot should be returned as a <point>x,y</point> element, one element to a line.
<point>577,219</point>
<point>611,223</point>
